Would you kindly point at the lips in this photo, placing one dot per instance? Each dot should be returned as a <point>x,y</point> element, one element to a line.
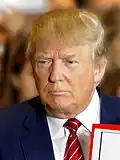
<point>57,93</point>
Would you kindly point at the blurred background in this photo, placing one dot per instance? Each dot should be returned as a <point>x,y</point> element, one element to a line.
<point>16,79</point>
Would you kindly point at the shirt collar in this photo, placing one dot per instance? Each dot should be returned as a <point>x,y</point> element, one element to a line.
<point>89,116</point>
<point>56,126</point>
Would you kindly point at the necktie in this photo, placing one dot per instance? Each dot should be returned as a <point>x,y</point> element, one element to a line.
<point>73,150</point>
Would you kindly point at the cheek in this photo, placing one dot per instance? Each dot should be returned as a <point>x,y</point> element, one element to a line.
<point>69,79</point>
<point>74,75</point>
<point>41,78</point>
<point>82,80</point>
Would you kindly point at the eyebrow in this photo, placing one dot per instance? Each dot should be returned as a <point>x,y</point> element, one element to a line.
<point>68,56</point>
<point>61,57</point>
<point>42,57</point>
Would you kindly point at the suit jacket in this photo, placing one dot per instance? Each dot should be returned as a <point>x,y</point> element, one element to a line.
<point>24,132</point>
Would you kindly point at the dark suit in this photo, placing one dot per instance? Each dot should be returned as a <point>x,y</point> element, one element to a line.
<point>24,133</point>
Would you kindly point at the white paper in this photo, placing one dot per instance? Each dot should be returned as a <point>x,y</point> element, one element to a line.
<point>106,145</point>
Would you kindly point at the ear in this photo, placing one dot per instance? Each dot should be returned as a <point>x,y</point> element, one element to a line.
<point>99,70</point>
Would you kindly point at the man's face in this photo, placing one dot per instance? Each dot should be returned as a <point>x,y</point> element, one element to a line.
<point>64,78</point>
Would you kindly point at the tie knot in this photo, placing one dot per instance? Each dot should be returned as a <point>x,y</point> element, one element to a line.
<point>72,124</point>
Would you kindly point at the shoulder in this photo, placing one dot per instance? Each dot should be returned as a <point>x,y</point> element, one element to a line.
<point>110,100</point>
<point>110,109</point>
<point>110,104</point>
<point>107,100</point>
<point>14,115</point>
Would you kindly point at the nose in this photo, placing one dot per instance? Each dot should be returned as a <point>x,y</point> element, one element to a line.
<point>56,71</point>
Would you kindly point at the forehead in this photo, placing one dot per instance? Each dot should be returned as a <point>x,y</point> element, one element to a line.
<point>61,50</point>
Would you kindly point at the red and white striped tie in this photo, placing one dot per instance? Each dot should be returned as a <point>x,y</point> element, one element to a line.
<point>73,149</point>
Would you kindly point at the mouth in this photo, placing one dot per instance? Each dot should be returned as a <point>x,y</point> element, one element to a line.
<point>57,93</point>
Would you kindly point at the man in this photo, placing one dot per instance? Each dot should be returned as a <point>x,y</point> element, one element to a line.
<point>66,51</point>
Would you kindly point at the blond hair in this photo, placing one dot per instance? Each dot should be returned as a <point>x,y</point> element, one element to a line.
<point>68,27</point>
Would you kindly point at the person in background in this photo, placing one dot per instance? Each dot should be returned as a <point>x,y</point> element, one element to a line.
<point>5,82</point>
<point>102,7</point>
<point>111,81</point>
<point>17,23</point>
<point>21,74</point>
<point>66,51</point>
<point>53,4</point>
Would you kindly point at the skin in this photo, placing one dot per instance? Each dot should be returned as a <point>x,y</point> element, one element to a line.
<point>65,77</point>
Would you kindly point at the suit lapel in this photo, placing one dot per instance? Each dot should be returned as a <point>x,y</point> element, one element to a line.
<point>35,138</point>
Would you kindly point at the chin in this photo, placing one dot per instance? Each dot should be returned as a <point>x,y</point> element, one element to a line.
<point>58,105</point>
<point>61,104</point>
<point>62,111</point>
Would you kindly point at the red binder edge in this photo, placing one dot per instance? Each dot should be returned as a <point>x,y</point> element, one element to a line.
<point>100,126</point>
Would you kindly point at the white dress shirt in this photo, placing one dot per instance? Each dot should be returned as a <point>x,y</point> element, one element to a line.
<point>59,134</point>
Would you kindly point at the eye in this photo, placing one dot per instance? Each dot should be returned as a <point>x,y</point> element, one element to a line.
<point>43,63</point>
<point>71,63</point>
